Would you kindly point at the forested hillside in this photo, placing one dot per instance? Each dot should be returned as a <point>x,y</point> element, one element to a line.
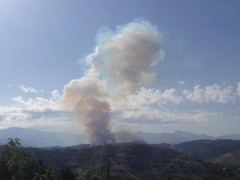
<point>231,158</point>
<point>207,149</point>
<point>126,161</point>
<point>143,161</point>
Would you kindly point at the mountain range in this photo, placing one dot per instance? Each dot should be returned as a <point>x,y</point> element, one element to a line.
<point>36,138</point>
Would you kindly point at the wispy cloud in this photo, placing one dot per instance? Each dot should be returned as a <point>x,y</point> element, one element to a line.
<point>150,115</point>
<point>181,82</point>
<point>39,104</point>
<point>214,93</point>
<point>148,106</point>
<point>30,89</point>
<point>28,110</point>
<point>150,96</point>
<point>12,113</point>
<point>40,113</point>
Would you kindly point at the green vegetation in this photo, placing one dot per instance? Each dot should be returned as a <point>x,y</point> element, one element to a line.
<point>126,162</point>
<point>17,164</point>
<point>97,176</point>
<point>142,160</point>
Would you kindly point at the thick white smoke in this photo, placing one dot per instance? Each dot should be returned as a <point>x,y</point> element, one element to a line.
<point>124,59</point>
<point>120,65</point>
<point>83,96</point>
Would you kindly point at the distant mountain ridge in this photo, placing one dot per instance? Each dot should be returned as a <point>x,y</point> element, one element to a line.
<point>36,138</point>
<point>230,136</point>
<point>171,138</point>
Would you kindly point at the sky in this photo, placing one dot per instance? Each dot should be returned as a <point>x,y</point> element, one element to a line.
<point>45,44</point>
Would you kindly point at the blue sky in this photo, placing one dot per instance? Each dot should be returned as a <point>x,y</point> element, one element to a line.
<point>43,46</point>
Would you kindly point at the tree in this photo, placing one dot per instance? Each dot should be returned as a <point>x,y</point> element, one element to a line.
<point>16,163</point>
<point>97,176</point>
<point>14,142</point>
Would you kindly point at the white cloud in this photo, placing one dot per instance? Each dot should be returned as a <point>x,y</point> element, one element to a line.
<point>146,106</point>
<point>148,115</point>
<point>155,106</point>
<point>149,106</point>
<point>30,89</point>
<point>40,104</point>
<point>13,113</point>
<point>39,113</point>
<point>150,96</point>
<point>181,82</point>
<point>197,95</point>
<point>208,94</point>
<point>58,123</point>
<point>28,110</point>
<point>216,94</point>
<point>171,95</point>
<point>55,95</point>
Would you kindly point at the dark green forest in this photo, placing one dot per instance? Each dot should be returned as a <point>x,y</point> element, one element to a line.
<point>17,164</point>
<point>126,162</point>
<point>141,160</point>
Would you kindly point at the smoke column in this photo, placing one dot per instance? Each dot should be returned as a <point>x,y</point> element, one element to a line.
<point>121,63</point>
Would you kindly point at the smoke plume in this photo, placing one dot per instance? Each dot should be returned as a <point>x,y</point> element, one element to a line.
<point>127,135</point>
<point>119,66</point>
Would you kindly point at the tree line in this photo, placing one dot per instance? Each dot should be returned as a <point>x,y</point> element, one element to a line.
<point>17,164</point>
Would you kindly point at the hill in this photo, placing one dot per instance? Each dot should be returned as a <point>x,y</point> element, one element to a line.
<point>230,136</point>
<point>231,158</point>
<point>171,138</point>
<point>207,149</point>
<point>141,160</point>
